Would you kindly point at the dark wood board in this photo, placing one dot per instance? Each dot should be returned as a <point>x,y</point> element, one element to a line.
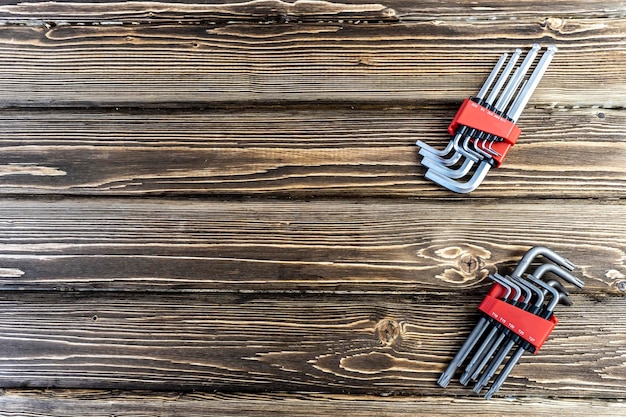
<point>380,344</point>
<point>91,403</point>
<point>190,11</point>
<point>298,152</point>
<point>318,246</point>
<point>217,208</point>
<point>195,65</point>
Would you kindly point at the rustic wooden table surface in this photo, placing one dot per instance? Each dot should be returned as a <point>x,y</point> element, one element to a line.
<point>218,208</point>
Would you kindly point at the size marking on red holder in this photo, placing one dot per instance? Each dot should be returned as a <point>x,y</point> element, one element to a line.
<point>530,327</point>
<point>477,117</point>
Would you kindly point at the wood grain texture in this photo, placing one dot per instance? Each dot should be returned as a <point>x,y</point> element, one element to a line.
<point>146,12</point>
<point>376,344</point>
<point>298,152</point>
<point>183,65</point>
<point>91,403</point>
<point>317,246</point>
<point>192,218</point>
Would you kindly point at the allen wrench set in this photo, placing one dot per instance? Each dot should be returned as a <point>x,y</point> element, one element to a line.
<point>517,316</point>
<point>518,312</point>
<point>484,128</point>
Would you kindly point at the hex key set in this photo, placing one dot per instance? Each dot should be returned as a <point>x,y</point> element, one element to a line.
<point>484,128</point>
<point>517,316</point>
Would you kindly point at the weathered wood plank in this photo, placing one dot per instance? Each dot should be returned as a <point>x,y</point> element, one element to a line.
<point>175,65</point>
<point>238,296</point>
<point>298,152</point>
<point>235,11</point>
<point>281,11</point>
<point>88,403</point>
<point>492,10</point>
<point>376,344</point>
<point>318,246</point>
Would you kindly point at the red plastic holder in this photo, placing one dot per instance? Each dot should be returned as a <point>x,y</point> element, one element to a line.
<point>475,116</point>
<point>530,327</point>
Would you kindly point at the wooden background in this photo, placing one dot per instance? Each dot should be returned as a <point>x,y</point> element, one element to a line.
<point>218,208</point>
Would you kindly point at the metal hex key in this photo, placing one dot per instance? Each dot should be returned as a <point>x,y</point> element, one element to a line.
<point>495,337</point>
<point>428,151</point>
<point>483,323</point>
<point>476,146</point>
<point>562,297</point>
<point>485,164</point>
<point>477,153</point>
<point>524,292</point>
<point>545,312</point>
<point>541,311</point>
<point>473,368</point>
<point>463,133</point>
<point>471,340</point>
<point>501,104</point>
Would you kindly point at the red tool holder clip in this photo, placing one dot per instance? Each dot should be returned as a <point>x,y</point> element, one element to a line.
<point>530,327</point>
<point>475,116</point>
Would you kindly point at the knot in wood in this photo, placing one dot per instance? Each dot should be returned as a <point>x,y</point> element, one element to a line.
<point>553,23</point>
<point>388,331</point>
<point>389,13</point>
<point>469,264</point>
